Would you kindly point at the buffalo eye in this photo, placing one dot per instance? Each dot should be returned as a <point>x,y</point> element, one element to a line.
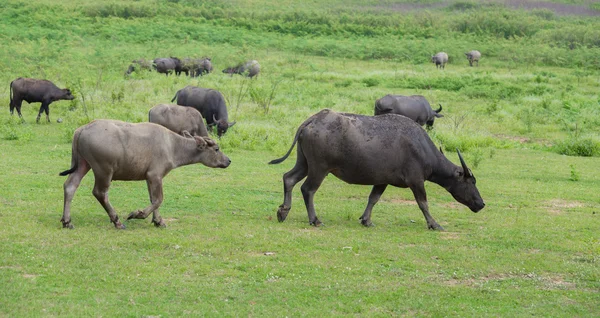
<point>217,149</point>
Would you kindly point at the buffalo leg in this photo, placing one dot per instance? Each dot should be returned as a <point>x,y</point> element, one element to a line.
<point>101,193</point>
<point>376,193</point>
<point>421,198</point>
<point>70,186</point>
<point>17,104</point>
<point>155,192</point>
<point>309,188</point>
<point>290,179</point>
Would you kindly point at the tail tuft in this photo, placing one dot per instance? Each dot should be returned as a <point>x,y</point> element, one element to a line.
<point>66,172</point>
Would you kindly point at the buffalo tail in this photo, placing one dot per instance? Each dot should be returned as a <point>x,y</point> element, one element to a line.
<point>174,97</point>
<point>279,160</point>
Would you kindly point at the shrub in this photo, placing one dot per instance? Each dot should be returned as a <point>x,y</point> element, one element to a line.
<point>577,146</point>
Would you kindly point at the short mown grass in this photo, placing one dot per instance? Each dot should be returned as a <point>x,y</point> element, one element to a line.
<point>527,121</point>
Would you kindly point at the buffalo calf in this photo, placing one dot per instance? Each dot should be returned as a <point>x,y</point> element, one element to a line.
<point>116,150</point>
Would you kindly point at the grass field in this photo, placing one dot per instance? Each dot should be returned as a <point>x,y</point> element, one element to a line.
<point>527,121</point>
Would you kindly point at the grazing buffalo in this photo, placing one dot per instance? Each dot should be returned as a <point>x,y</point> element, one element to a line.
<point>473,56</point>
<point>139,65</point>
<point>415,107</point>
<point>196,67</point>
<point>36,91</point>
<point>250,69</point>
<point>167,65</point>
<point>116,150</point>
<point>440,60</point>
<point>178,119</point>
<point>209,102</point>
<point>383,150</point>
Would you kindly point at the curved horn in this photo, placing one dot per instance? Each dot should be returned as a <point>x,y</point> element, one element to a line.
<point>464,165</point>
<point>215,119</point>
<point>439,109</point>
<point>231,124</point>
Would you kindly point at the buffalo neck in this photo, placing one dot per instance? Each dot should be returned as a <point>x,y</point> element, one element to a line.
<point>184,152</point>
<point>443,171</point>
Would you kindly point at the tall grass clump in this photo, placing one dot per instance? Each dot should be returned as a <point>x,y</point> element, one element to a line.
<point>578,146</point>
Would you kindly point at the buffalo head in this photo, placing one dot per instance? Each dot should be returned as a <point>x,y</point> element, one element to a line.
<point>222,125</point>
<point>463,188</point>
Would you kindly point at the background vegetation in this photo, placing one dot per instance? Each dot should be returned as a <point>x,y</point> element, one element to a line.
<point>533,250</point>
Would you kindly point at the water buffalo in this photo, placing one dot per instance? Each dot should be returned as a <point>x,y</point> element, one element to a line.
<point>167,65</point>
<point>196,67</point>
<point>36,91</point>
<point>209,102</point>
<point>178,119</point>
<point>382,150</point>
<point>473,56</point>
<point>250,69</point>
<point>139,65</point>
<point>415,107</point>
<point>116,150</point>
<point>440,60</point>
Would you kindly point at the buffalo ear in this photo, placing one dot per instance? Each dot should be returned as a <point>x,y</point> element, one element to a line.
<point>200,142</point>
<point>209,141</point>
<point>231,124</point>
<point>186,134</point>
<point>467,172</point>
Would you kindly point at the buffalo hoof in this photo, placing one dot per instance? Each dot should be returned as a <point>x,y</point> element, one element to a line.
<point>119,226</point>
<point>316,223</point>
<point>68,225</point>
<point>282,213</point>
<point>136,215</point>
<point>159,223</point>
<point>366,223</point>
<point>435,227</point>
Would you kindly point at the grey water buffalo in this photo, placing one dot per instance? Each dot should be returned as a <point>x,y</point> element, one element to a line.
<point>196,67</point>
<point>116,150</point>
<point>139,65</point>
<point>36,91</point>
<point>249,68</point>
<point>381,150</point>
<point>167,65</point>
<point>473,56</point>
<point>415,107</point>
<point>440,60</point>
<point>178,119</point>
<point>209,102</point>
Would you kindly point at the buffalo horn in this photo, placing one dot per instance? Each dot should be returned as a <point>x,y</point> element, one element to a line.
<point>464,165</point>
<point>440,109</point>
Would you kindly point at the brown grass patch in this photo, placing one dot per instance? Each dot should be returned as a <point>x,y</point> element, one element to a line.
<point>557,206</point>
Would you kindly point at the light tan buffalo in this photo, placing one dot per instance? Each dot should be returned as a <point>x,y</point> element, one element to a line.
<point>473,56</point>
<point>178,119</point>
<point>116,150</point>
<point>440,60</point>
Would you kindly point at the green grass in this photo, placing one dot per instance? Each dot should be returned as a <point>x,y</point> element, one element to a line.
<point>527,120</point>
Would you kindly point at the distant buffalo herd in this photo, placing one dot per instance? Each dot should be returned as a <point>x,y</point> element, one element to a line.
<point>389,148</point>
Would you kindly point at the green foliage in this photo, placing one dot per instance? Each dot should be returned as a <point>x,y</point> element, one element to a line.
<point>574,174</point>
<point>578,146</point>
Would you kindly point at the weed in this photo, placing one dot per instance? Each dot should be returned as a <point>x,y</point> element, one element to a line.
<point>574,174</point>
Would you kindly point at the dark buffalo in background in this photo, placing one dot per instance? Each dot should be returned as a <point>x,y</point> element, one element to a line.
<point>209,102</point>
<point>415,107</point>
<point>249,68</point>
<point>380,151</point>
<point>167,65</point>
<point>139,65</point>
<point>36,91</point>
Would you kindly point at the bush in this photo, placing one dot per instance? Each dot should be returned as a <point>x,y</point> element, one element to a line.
<point>575,146</point>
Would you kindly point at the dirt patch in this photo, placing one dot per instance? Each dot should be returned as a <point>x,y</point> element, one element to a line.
<point>449,235</point>
<point>544,282</point>
<point>557,206</point>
